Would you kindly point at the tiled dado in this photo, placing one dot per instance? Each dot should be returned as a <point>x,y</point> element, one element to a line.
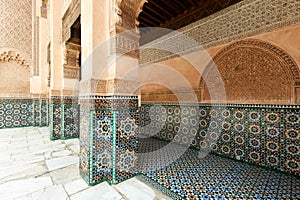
<point>23,112</point>
<point>64,117</point>
<point>266,135</point>
<point>108,138</point>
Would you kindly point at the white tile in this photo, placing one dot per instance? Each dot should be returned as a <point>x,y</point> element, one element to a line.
<point>134,189</point>
<point>13,170</point>
<point>75,186</point>
<point>20,188</point>
<point>61,162</point>
<point>61,153</point>
<point>75,148</point>
<point>47,147</point>
<point>65,175</point>
<point>17,162</point>
<point>102,191</point>
<point>33,172</point>
<point>5,157</point>
<point>55,192</point>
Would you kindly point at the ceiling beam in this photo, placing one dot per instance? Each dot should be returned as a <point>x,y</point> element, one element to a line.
<point>193,4</point>
<point>162,9</point>
<point>171,5</point>
<point>158,13</point>
<point>145,24</point>
<point>185,8</point>
<point>148,21</point>
<point>151,17</point>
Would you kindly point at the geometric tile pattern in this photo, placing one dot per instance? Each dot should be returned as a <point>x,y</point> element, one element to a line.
<point>64,117</point>
<point>213,177</point>
<point>108,139</point>
<point>263,135</point>
<point>23,112</point>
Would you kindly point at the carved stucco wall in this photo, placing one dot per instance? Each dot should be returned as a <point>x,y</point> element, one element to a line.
<point>9,73</point>
<point>16,25</point>
<point>253,71</point>
<point>244,19</point>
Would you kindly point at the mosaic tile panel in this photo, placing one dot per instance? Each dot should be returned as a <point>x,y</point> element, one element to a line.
<point>84,139</point>
<point>71,119</point>
<point>64,118</point>
<point>212,177</point>
<point>108,139</point>
<point>44,112</point>
<point>16,113</point>
<point>101,149</point>
<point>40,114</point>
<point>262,135</point>
<point>126,144</point>
<point>37,112</point>
<point>23,112</point>
<point>55,114</point>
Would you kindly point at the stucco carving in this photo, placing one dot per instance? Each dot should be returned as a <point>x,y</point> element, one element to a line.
<point>253,71</point>
<point>244,19</point>
<point>16,26</point>
<point>127,12</point>
<point>71,60</point>
<point>12,56</point>
<point>112,86</point>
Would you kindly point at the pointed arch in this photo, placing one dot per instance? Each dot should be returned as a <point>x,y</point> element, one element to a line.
<point>254,71</point>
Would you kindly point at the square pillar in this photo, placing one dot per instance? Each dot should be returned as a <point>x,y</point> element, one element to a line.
<point>40,112</point>
<point>108,138</point>
<point>64,117</point>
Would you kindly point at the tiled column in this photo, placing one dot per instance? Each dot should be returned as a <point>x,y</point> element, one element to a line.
<point>64,56</point>
<point>108,104</point>
<point>108,138</point>
<point>40,112</point>
<point>64,117</point>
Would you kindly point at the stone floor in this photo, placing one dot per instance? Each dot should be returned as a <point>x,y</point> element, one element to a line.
<point>33,167</point>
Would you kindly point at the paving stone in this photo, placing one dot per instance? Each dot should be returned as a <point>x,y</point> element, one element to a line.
<point>13,170</point>
<point>18,145</point>
<point>61,153</point>
<point>47,147</point>
<point>55,192</point>
<point>65,175</point>
<point>75,186</point>
<point>58,163</point>
<point>46,169</point>
<point>102,191</point>
<point>75,148</point>
<point>135,189</point>
<point>33,172</point>
<point>20,188</point>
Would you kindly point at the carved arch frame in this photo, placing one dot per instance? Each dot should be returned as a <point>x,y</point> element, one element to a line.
<point>8,54</point>
<point>289,65</point>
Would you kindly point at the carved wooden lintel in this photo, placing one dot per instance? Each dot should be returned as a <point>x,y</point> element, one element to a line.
<point>70,16</point>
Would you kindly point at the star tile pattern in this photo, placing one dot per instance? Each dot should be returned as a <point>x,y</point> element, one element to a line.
<point>211,177</point>
<point>108,139</point>
<point>23,112</point>
<point>64,117</point>
<point>262,135</point>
